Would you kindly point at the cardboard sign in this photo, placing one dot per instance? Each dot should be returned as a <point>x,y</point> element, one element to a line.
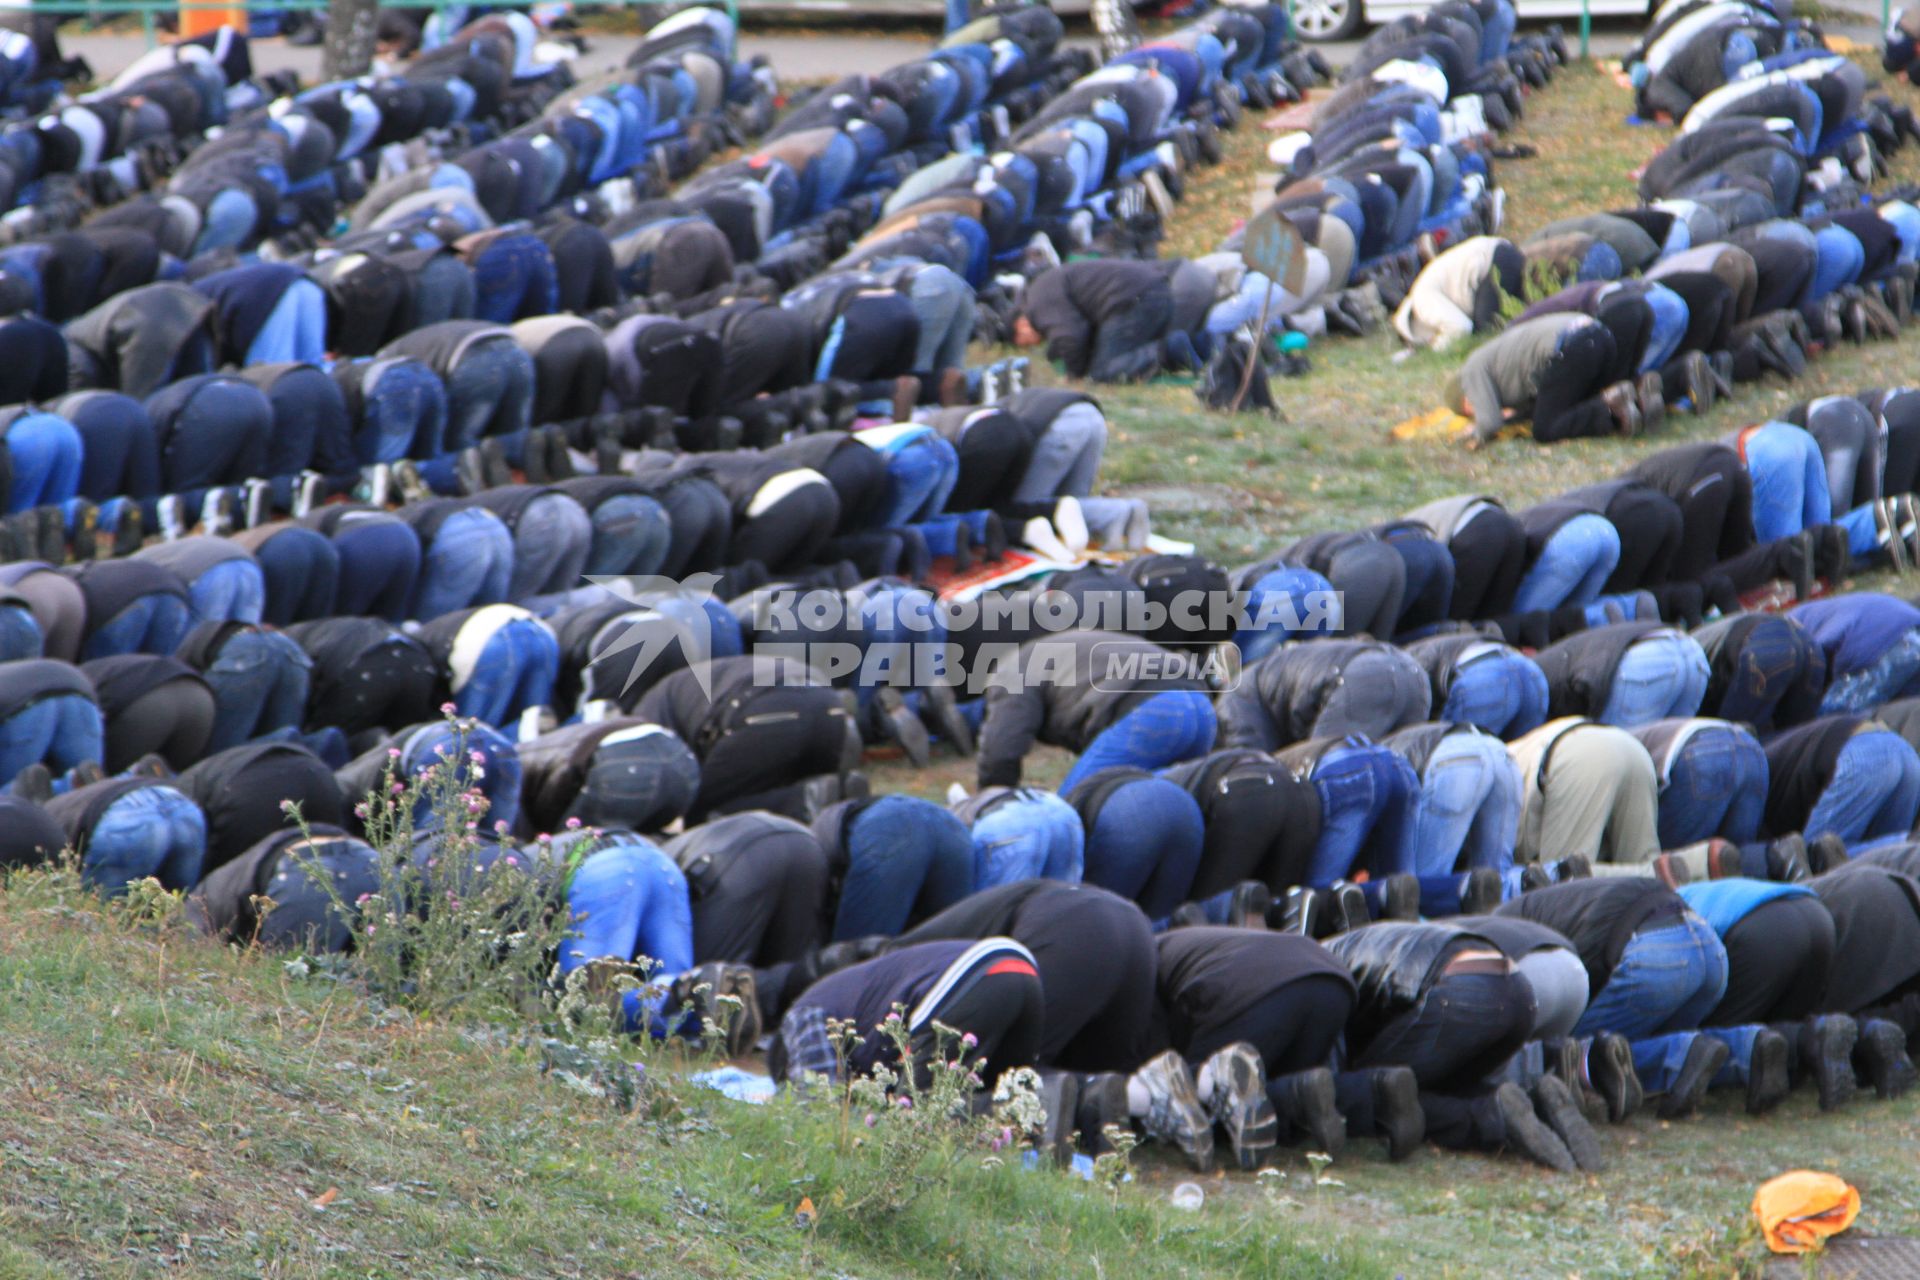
<point>1273,247</point>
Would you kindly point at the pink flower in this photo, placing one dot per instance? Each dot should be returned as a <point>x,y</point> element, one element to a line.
<point>573,824</point>
<point>872,1119</point>
<point>393,753</point>
<point>361,901</point>
<point>512,861</point>
<point>399,788</point>
<point>477,756</point>
<point>447,708</point>
<point>904,1103</point>
<point>286,806</point>
<point>500,827</point>
<point>360,811</point>
<point>969,1040</point>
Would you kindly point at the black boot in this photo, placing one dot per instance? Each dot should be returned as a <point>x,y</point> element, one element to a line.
<point>1304,1103</point>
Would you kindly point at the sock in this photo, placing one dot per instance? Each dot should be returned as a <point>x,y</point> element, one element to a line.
<point>1138,1099</point>
<point>1203,1081</point>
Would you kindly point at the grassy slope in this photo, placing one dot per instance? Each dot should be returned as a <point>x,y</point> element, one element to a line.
<point>172,1107</point>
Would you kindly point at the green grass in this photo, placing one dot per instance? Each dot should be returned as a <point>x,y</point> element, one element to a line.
<point>1245,485</point>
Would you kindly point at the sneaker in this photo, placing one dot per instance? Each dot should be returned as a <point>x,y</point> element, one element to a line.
<point>1652,397</point>
<point>151,765</point>
<point>1720,366</point>
<point>1887,536</point>
<point>1705,1057</point>
<point>1484,890</point>
<point>1527,1134</point>
<point>1534,876</point>
<point>1297,912</point>
<point>1400,898</point>
<point>1555,1104</point>
<point>1826,1050</point>
<point>1567,1059</point>
<point>1697,377</point>
<point>559,456</point>
<point>1906,511</point>
<point>306,492</point>
<point>1016,375</point>
<point>1787,860</point>
<point>1620,402</point>
<point>85,774</point>
<point>257,502</point>
<point>376,482</point>
<point>1575,866</point>
<point>1882,1054</point>
<point>1305,1100</point>
<point>1610,1072</point>
<point>992,391</point>
<point>1348,908</point>
<point>1060,1099</point>
<point>1767,1077</point>
<point>1174,1114</point>
<point>1396,1110</point>
<point>1239,1104</point>
<point>173,517</point>
<point>1248,905</point>
<point>407,478</point>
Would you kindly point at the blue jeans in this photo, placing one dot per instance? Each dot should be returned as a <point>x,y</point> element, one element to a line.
<point>1034,835</point>
<point>58,732</point>
<point>1469,809</point>
<point>231,591</point>
<point>155,831</point>
<point>20,635</point>
<point>1658,1061</point>
<point>403,412</point>
<point>469,562</point>
<point>630,903</point>
<point>631,534</point>
<point>154,623</point>
<point>1789,481</point>
<point>944,303</point>
<point>1572,567</point>
<point>1716,786</point>
<point>260,681</point>
<point>921,470</point>
<point>301,569</point>
<point>1770,660</point>
<point>1882,680</point>
<point>379,567</point>
<point>1502,691</point>
<point>514,278</point>
<point>1288,604</point>
<point>517,668</point>
<point>1369,800</point>
<point>430,744</point>
<point>1659,676</point>
<point>1669,326</point>
<point>1668,979</point>
<point>490,392</point>
<point>295,330</point>
<point>1165,729</point>
<point>1875,789</point>
<point>906,859</point>
<point>1839,258</point>
<point>46,456</point>
<point>1145,844</point>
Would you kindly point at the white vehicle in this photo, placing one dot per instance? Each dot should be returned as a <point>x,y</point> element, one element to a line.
<point>1318,20</point>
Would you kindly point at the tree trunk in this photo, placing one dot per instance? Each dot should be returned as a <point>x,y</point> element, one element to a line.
<point>352,26</point>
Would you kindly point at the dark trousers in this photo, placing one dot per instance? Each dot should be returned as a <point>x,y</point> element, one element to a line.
<point>758,904</point>
<point>1489,557</point>
<point>1651,528</point>
<point>1568,404</point>
<point>1127,347</point>
<point>174,720</point>
<point>1294,1025</point>
<point>1630,320</point>
<point>782,737</point>
<point>1261,825</point>
<point>1779,957</point>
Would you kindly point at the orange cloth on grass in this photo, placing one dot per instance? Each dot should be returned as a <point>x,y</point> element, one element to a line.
<point>1799,1210</point>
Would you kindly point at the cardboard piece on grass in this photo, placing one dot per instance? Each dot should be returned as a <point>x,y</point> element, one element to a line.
<point>1274,248</point>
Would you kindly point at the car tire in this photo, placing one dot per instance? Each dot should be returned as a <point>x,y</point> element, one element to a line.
<point>1323,20</point>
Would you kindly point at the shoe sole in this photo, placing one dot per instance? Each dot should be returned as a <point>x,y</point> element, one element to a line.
<point>1704,1059</point>
<point>1557,1107</point>
<point>1833,1066</point>
<point>1253,1130</point>
<point>1767,1081</point>
<point>1627,1095</point>
<point>1397,1109</point>
<point>1528,1134</point>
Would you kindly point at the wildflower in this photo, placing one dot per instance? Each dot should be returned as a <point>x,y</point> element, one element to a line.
<point>393,753</point>
<point>447,708</point>
<point>904,1102</point>
<point>512,861</point>
<point>360,811</point>
<point>286,806</point>
<point>872,1119</point>
<point>362,900</point>
<point>477,756</point>
<point>399,788</point>
<point>969,1040</point>
<point>573,824</point>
